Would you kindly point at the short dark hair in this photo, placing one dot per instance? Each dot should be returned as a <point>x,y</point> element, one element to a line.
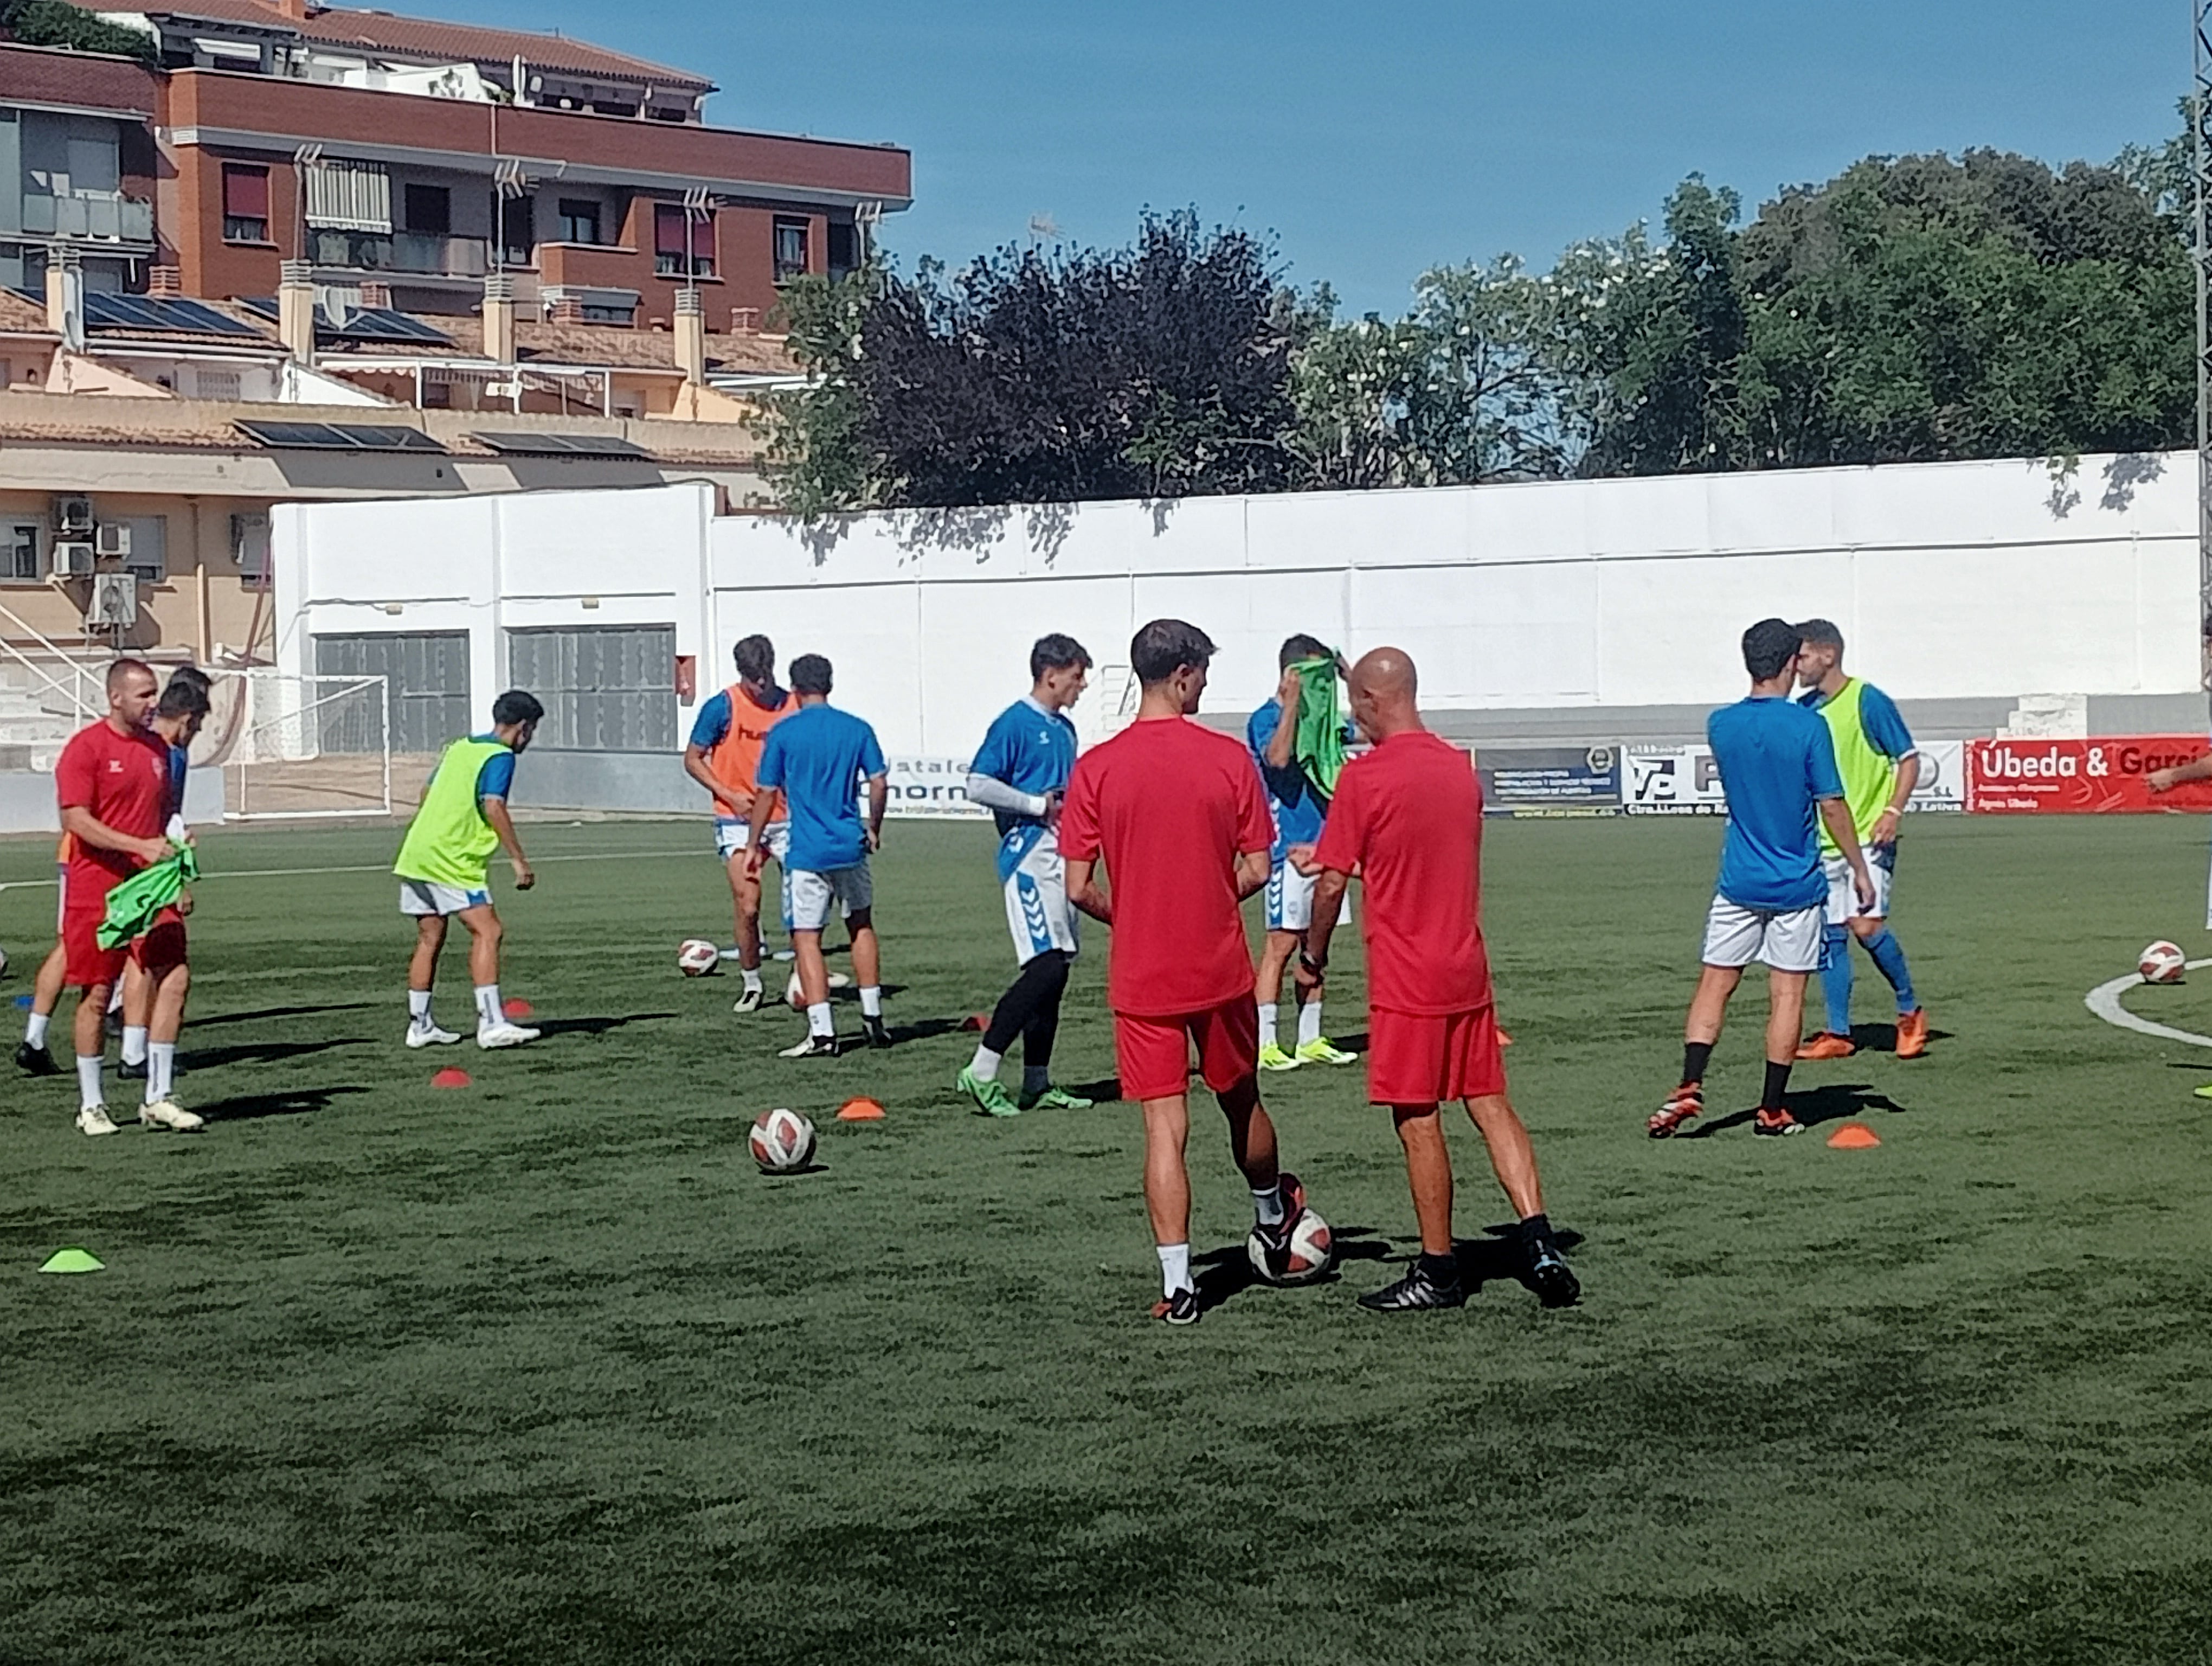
<point>1303,647</point>
<point>186,696</point>
<point>1164,647</point>
<point>516,707</point>
<point>1821,633</point>
<point>1056,653</point>
<point>756,658</point>
<point>194,675</point>
<point>809,674</point>
<point>1768,647</point>
<point>123,668</point>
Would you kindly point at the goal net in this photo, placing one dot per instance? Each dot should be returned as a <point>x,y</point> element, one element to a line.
<point>293,746</point>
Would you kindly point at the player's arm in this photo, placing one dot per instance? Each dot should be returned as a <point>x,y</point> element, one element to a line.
<point>1327,899</point>
<point>1836,815</point>
<point>2165,781</point>
<point>712,726</point>
<point>1885,729</point>
<point>1084,891</point>
<point>879,798</point>
<point>87,829</point>
<point>695,765</point>
<point>1284,742</point>
<point>1252,868</point>
<point>494,806</point>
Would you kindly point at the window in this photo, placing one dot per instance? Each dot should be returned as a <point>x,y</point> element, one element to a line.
<point>604,689</point>
<point>149,560</point>
<point>22,554</point>
<point>844,247</point>
<point>249,548</point>
<point>790,250</point>
<point>348,195</point>
<point>517,220</point>
<point>244,203</point>
<point>429,209</point>
<point>427,686</point>
<point>216,384</point>
<point>673,228</point>
<point>625,316</point>
<point>580,220</point>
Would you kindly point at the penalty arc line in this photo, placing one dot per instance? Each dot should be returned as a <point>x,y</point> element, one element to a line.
<point>2105,1001</point>
<point>377,867</point>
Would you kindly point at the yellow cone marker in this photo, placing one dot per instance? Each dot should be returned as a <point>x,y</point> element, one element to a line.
<point>73,1261</point>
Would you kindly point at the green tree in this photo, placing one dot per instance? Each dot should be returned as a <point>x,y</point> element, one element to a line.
<point>59,23</point>
<point>818,460</point>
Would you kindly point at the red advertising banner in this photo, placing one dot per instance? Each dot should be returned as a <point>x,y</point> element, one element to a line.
<point>2106,775</point>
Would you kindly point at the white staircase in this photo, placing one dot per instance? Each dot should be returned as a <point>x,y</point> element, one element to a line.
<point>36,719</point>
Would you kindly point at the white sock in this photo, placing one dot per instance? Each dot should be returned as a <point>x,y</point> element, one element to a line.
<point>418,1010</point>
<point>1269,1206</point>
<point>818,1021</point>
<point>984,1066</point>
<point>872,1001</point>
<point>115,996</point>
<point>489,1011</point>
<point>134,1043</point>
<point>88,1081</point>
<point>751,975</point>
<point>1036,1078</point>
<point>1266,1024</point>
<point>35,1030</point>
<point>1174,1269</point>
<point>161,1071</point>
<point>1309,1021</point>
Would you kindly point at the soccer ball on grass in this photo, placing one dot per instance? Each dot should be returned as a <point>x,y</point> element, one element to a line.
<point>782,1141</point>
<point>2162,963</point>
<point>1309,1252</point>
<point>696,958</point>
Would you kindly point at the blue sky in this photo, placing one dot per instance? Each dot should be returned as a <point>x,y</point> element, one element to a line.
<point>1376,142</point>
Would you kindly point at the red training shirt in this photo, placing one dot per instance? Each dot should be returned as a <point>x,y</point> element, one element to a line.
<point>1169,805</point>
<point>123,781</point>
<point>1408,816</point>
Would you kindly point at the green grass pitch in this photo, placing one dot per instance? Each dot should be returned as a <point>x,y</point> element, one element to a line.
<point>544,1371</point>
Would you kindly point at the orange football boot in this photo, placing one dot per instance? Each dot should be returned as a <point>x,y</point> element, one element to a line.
<point>1912,1033</point>
<point>1829,1045</point>
<point>1684,1103</point>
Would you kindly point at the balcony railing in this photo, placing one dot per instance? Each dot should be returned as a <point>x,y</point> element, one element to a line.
<point>106,216</point>
<point>419,252</point>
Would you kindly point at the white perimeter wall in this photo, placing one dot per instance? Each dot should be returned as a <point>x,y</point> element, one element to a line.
<point>1951,580</point>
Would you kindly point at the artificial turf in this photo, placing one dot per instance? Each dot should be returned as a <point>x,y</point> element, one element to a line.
<point>544,1371</point>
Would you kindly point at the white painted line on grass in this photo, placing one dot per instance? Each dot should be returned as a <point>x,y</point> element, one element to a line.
<point>2105,1001</point>
<point>382,867</point>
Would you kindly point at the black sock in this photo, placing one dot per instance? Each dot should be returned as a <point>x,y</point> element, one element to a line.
<point>1535,1229</point>
<point>1696,1055</point>
<point>1778,1086</point>
<point>1440,1269</point>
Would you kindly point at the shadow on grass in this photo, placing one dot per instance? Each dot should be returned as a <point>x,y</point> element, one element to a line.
<point>1102,1092</point>
<point>1882,1037</point>
<point>260,1013</point>
<point>924,1029</point>
<point>1834,1101</point>
<point>246,1107</point>
<point>1226,1274</point>
<point>552,1027</point>
<point>1499,1256</point>
<point>1355,1042</point>
<point>268,1051</point>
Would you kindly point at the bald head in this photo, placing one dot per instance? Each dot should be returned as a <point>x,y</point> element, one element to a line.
<point>1383,686</point>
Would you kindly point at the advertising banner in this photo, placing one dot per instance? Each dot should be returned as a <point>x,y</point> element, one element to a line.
<point>1942,784</point>
<point>2105,775</point>
<point>934,787</point>
<point>1549,781</point>
<point>1672,781</point>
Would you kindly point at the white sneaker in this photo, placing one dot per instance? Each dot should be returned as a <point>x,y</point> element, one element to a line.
<point>95,1119</point>
<point>431,1037</point>
<point>503,1034</point>
<point>168,1113</point>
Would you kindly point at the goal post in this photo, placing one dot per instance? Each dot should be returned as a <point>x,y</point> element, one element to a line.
<point>298,747</point>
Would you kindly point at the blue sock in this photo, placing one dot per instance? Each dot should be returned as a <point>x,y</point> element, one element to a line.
<point>1889,959</point>
<point>1836,978</point>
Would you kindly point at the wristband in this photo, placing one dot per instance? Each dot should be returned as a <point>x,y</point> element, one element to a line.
<point>1316,967</point>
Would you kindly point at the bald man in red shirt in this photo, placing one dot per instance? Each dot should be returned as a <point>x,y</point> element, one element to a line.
<point>1408,818</point>
<point>1176,812</point>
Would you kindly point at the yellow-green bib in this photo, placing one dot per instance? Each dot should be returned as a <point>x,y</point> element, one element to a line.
<point>449,842</point>
<point>1869,774</point>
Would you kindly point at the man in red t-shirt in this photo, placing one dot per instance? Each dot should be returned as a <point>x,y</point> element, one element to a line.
<point>112,784</point>
<point>1175,811</point>
<point>1408,818</point>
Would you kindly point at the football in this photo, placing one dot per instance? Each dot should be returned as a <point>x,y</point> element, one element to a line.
<point>782,1141</point>
<point>1309,1252</point>
<point>2162,963</point>
<point>797,1001</point>
<point>696,956</point>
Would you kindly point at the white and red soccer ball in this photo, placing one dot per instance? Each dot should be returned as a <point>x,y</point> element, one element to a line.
<point>1309,1252</point>
<point>782,1141</point>
<point>2162,963</point>
<point>696,956</point>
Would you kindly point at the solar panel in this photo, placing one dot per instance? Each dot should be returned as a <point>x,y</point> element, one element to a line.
<point>558,445</point>
<point>337,436</point>
<point>121,311</point>
<point>384,324</point>
<point>263,305</point>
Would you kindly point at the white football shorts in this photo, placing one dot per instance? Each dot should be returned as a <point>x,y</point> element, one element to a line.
<point>1844,895</point>
<point>810,895</point>
<point>427,896</point>
<point>1290,899</point>
<point>1039,916</point>
<point>731,837</point>
<point>1789,941</point>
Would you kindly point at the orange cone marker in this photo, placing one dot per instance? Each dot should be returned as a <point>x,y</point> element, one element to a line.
<point>861,1110</point>
<point>1853,1136</point>
<point>976,1021</point>
<point>518,1009</point>
<point>450,1078</point>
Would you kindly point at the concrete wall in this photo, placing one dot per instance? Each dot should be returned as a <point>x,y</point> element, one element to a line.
<point>27,803</point>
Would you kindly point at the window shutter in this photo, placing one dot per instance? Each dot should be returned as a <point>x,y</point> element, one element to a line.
<point>668,229</point>
<point>245,192</point>
<point>348,195</point>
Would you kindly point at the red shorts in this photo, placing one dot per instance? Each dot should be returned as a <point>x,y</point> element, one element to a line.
<point>86,961</point>
<point>1423,1058</point>
<point>1153,1053</point>
<point>163,945</point>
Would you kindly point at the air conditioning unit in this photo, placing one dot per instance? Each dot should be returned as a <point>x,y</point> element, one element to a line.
<point>114,604</point>
<point>111,540</point>
<point>73,516</point>
<point>72,559</point>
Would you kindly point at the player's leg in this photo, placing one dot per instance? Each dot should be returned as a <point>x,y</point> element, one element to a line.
<point>419,902</point>
<point>1732,938</point>
<point>1790,945</point>
<point>164,962</point>
<point>138,1007</point>
<point>31,1053</point>
<point>1276,949</point>
<point>1873,932</point>
<point>1030,1010</point>
<point>1833,1040</point>
<point>1167,1202</point>
<point>1228,1043</point>
<point>1039,1036</point>
<point>856,896</point>
<point>486,935</point>
<point>93,972</point>
<point>811,896</point>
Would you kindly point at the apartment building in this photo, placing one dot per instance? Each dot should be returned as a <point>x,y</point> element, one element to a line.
<point>77,166</point>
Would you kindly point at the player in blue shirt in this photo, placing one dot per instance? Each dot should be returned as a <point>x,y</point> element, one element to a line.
<point>819,756</point>
<point>1880,767</point>
<point>1298,807</point>
<point>1778,765</point>
<point>1020,774</point>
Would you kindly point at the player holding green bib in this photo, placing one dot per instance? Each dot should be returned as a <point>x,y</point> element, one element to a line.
<point>1880,767</point>
<point>444,869</point>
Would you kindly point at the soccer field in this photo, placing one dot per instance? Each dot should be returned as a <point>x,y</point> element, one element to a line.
<point>544,1371</point>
